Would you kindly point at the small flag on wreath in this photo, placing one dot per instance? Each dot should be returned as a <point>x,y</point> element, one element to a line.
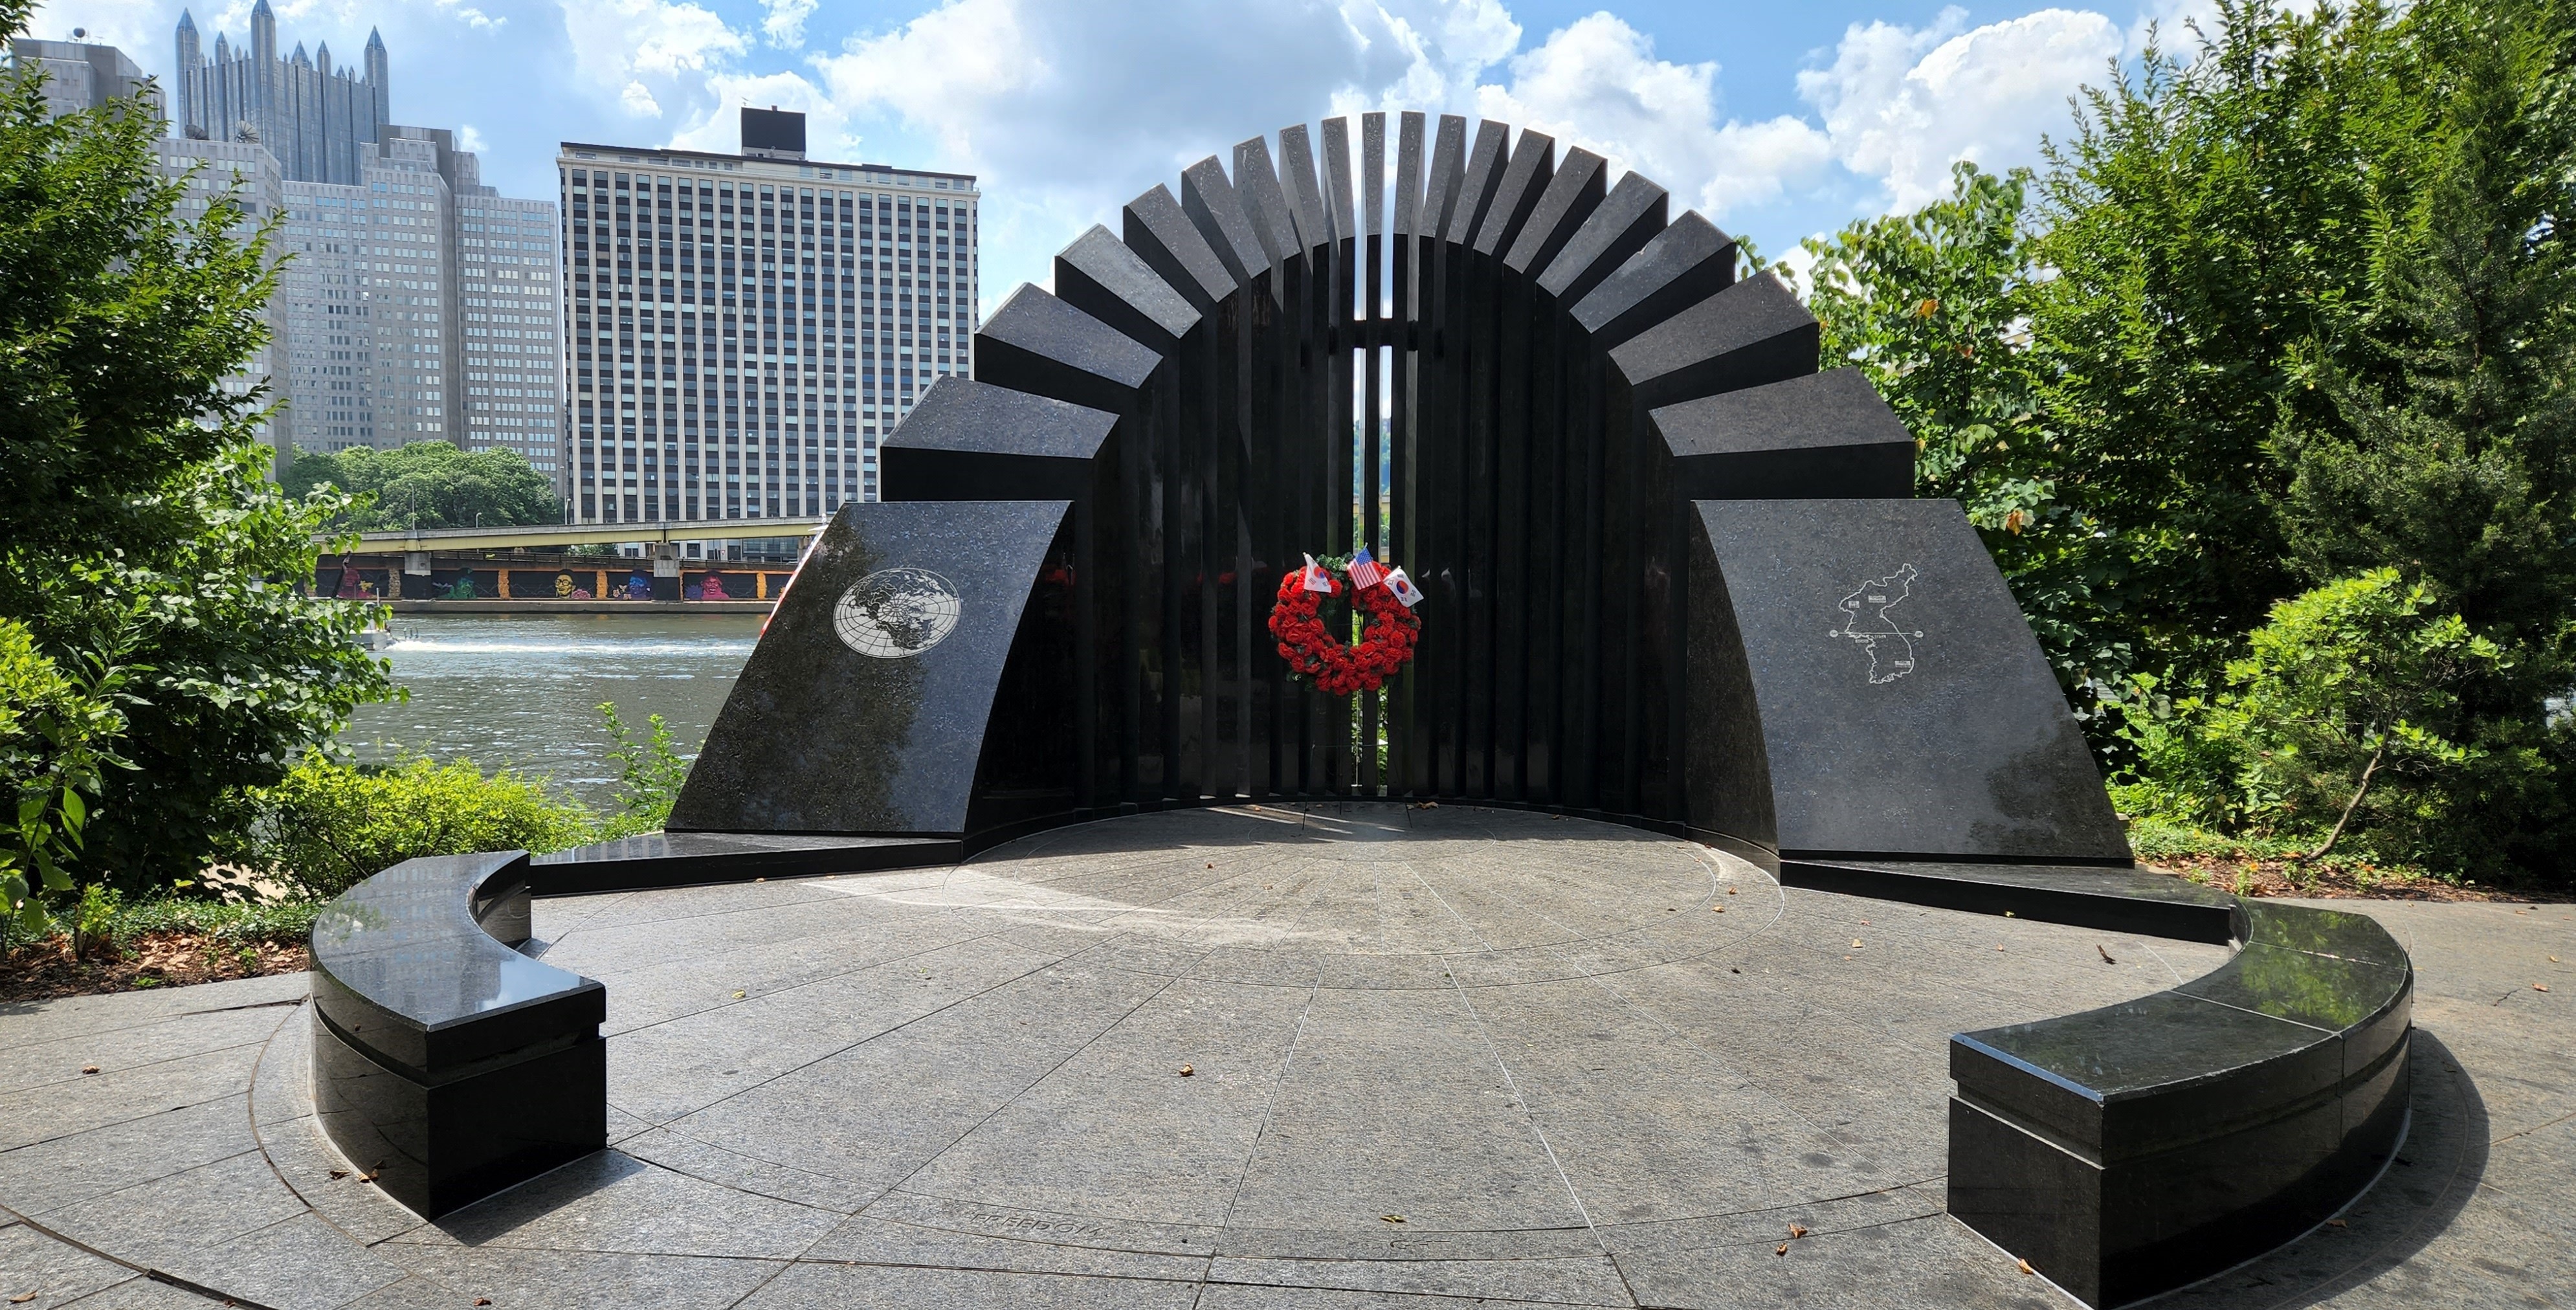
<point>1403,588</point>
<point>1366,572</point>
<point>1316,578</point>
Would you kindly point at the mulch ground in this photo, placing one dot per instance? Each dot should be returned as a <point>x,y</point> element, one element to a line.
<point>2253,877</point>
<point>46,970</point>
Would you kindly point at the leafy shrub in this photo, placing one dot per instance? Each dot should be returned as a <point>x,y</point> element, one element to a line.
<point>650,774</point>
<point>56,735</point>
<point>331,824</point>
<point>2348,715</point>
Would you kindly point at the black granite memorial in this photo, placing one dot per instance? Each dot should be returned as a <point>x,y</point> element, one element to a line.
<point>1674,577</point>
<point>446,1064</point>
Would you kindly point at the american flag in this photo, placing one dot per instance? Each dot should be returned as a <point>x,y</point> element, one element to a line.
<point>1365,571</point>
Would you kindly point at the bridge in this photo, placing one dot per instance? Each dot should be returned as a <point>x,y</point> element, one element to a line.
<point>555,536</point>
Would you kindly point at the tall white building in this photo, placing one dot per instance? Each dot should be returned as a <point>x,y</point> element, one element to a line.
<point>742,329</point>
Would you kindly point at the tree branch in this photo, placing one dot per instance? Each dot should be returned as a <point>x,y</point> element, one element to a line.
<point>2355,802</point>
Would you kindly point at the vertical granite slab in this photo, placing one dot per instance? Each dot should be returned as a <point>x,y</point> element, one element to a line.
<point>1210,201</point>
<point>866,705</point>
<point>1825,435</point>
<point>1862,681</point>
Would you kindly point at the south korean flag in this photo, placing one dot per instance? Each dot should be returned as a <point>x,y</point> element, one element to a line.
<point>1403,588</point>
<point>1317,578</point>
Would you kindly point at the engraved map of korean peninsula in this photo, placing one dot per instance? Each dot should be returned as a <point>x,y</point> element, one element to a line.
<point>1867,621</point>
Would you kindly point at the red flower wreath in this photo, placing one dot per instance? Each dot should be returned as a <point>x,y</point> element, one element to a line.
<point>1313,652</point>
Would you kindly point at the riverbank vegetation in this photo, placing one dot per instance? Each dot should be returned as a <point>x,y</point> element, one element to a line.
<point>428,484</point>
<point>2263,392</point>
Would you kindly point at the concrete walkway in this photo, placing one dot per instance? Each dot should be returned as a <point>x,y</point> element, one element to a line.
<point>1582,1066</point>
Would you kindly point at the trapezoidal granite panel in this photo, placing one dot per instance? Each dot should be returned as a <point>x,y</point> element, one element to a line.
<point>1862,682</point>
<point>873,701</point>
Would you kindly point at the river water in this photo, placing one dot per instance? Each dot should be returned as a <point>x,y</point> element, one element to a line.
<point>524,690</point>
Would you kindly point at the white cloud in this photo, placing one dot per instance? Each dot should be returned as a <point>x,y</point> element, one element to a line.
<point>784,21</point>
<point>1597,84</point>
<point>471,16</point>
<point>1901,105</point>
<point>468,138</point>
<point>642,50</point>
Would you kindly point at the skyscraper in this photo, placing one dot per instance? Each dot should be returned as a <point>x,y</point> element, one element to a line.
<point>81,76</point>
<point>317,119</point>
<point>742,329</point>
<point>407,312</point>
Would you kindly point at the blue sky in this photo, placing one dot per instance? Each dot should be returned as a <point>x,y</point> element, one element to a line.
<point>1777,120</point>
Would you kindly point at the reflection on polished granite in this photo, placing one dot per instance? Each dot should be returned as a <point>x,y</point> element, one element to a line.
<point>2130,1149</point>
<point>449,1063</point>
<point>960,1086</point>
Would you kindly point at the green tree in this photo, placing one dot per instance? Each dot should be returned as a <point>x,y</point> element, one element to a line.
<point>1935,307</point>
<point>326,825</point>
<point>143,521</point>
<point>432,484</point>
<point>2204,224</point>
<point>2452,451</point>
<point>119,320</point>
<point>57,732</point>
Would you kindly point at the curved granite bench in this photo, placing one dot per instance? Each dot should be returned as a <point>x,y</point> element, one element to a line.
<point>445,1063</point>
<point>2129,1150</point>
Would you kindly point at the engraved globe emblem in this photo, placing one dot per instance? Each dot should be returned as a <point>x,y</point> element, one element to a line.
<point>895,614</point>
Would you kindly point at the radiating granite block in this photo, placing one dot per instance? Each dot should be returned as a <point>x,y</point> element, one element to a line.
<point>974,441</point>
<point>1822,436</point>
<point>1041,345</point>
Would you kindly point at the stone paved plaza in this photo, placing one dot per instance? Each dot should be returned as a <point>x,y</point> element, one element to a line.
<point>1249,1057</point>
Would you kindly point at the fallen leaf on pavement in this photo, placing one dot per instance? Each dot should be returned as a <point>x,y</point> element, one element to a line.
<point>2336,1223</point>
<point>339,1173</point>
<point>2025,1266</point>
<point>737,996</point>
<point>1855,943</point>
<point>1187,1071</point>
<point>2540,987</point>
<point>1782,1249</point>
<point>1391,1218</point>
<point>1797,1230</point>
<point>89,1068</point>
<point>22,1300</point>
<point>482,1300</point>
<point>2106,953</point>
